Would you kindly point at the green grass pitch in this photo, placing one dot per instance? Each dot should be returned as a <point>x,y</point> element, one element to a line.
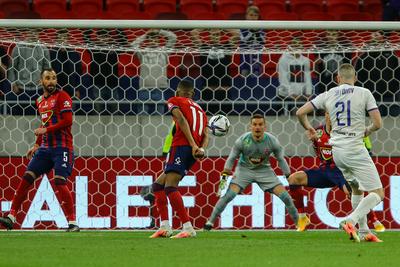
<point>216,248</point>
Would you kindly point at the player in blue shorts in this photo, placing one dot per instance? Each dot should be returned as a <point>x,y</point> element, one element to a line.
<point>53,150</point>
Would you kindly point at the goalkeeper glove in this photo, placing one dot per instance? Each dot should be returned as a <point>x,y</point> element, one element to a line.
<point>222,183</point>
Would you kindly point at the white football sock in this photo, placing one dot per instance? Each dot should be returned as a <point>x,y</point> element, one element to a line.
<point>187,226</point>
<point>355,201</point>
<point>165,224</point>
<point>368,203</point>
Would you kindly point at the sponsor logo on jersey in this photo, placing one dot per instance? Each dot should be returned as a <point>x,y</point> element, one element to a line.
<point>326,153</point>
<point>46,116</point>
<point>256,160</point>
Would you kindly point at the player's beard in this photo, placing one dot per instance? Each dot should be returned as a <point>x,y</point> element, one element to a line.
<point>50,89</point>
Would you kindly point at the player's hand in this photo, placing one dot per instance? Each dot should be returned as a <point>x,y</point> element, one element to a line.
<point>312,134</point>
<point>200,153</point>
<point>367,132</point>
<point>40,131</point>
<point>195,149</point>
<point>32,151</point>
<point>222,183</point>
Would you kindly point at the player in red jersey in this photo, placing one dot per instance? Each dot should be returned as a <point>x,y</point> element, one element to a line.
<point>188,143</point>
<point>53,149</point>
<point>327,175</point>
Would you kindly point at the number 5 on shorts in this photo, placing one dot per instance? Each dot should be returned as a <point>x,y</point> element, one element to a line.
<point>65,156</point>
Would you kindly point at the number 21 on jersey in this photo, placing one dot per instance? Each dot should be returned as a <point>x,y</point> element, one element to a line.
<point>344,107</point>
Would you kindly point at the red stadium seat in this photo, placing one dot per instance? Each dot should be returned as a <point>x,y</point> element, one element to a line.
<point>51,9</point>
<point>237,16</point>
<point>87,9</point>
<point>338,7</point>
<point>137,15</point>
<point>12,6</point>
<point>171,16</point>
<point>229,7</point>
<point>82,5</point>
<point>372,6</point>
<point>270,6</point>
<point>122,6</point>
<point>155,7</point>
<point>356,16</point>
<point>191,7</point>
<point>301,6</point>
<point>282,16</point>
<point>206,16</point>
<point>320,16</point>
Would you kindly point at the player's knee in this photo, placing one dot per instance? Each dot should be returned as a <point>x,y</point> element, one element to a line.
<point>29,177</point>
<point>157,187</point>
<point>380,193</point>
<point>59,180</point>
<point>297,178</point>
<point>235,188</point>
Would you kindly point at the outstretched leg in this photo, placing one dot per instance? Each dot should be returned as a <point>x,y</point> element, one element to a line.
<point>230,194</point>
<point>19,197</point>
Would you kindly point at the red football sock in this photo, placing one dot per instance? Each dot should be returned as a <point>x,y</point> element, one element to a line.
<point>68,203</point>
<point>297,194</point>
<point>161,204</point>
<point>176,201</point>
<point>372,216</point>
<point>20,194</point>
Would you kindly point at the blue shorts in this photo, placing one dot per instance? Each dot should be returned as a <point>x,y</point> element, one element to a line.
<point>45,159</point>
<point>325,177</point>
<point>179,160</point>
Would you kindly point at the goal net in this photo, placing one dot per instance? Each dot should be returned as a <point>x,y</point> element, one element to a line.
<point>119,74</point>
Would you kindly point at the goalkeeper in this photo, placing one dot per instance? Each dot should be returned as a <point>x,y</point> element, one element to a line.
<point>253,150</point>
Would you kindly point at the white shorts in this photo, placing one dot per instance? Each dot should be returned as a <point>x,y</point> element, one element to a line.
<point>356,163</point>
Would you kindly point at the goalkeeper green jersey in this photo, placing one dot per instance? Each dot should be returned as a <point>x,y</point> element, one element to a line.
<point>255,154</point>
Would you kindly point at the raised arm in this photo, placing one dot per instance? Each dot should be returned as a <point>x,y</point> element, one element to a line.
<point>301,114</point>
<point>278,153</point>
<point>233,155</point>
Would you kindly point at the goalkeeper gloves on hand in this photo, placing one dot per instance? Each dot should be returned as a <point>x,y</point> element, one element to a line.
<point>222,183</point>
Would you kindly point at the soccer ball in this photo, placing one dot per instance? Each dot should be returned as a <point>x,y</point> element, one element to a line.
<point>219,125</point>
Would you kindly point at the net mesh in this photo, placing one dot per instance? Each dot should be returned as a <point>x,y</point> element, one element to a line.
<point>119,80</point>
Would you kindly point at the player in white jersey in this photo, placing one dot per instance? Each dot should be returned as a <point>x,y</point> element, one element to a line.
<point>347,105</point>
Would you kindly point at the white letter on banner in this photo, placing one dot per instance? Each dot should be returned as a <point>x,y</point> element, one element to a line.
<point>321,208</point>
<point>124,201</point>
<point>188,201</point>
<point>82,214</point>
<point>255,200</point>
<point>45,194</point>
<point>394,183</point>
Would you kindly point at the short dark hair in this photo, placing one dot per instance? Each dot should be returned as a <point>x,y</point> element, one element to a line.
<point>186,85</point>
<point>257,116</point>
<point>46,69</point>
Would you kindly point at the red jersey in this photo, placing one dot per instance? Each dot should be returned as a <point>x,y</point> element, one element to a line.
<point>322,147</point>
<point>195,116</point>
<point>51,111</point>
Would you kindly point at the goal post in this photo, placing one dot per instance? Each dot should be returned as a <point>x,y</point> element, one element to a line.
<point>120,119</point>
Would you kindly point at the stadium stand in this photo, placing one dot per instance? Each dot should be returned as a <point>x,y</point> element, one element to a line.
<point>190,7</point>
<point>155,7</point>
